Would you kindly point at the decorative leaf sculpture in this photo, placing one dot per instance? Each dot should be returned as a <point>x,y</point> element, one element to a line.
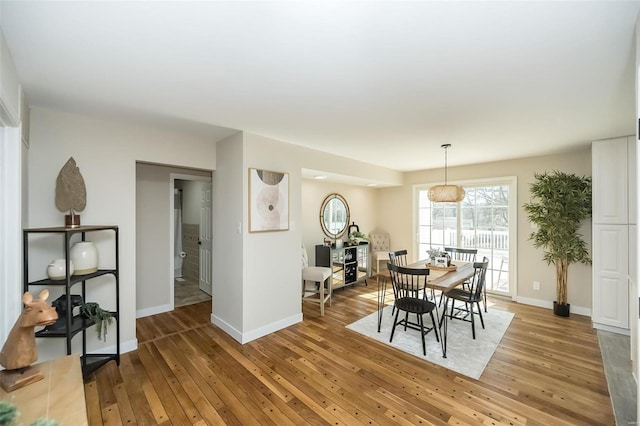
<point>71,193</point>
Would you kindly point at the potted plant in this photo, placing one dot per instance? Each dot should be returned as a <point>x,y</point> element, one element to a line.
<point>99,316</point>
<point>560,202</point>
<point>356,237</point>
<point>433,253</point>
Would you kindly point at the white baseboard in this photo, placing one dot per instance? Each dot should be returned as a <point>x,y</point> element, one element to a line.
<point>547,304</point>
<point>153,311</point>
<point>258,332</point>
<point>612,329</point>
<point>128,346</point>
<point>226,327</point>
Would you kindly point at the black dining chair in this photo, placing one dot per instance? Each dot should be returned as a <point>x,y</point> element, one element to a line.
<point>463,254</point>
<point>408,286</point>
<point>398,258</point>
<point>470,297</point>
<point>467,255</point>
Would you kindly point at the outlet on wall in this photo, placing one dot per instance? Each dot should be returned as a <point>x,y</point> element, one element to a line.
<point>536,285</point>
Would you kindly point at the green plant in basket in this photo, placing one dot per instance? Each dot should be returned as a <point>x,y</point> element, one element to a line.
<point>99,316</point>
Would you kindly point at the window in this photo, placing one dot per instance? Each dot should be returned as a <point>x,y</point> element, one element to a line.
<point>485,220</point>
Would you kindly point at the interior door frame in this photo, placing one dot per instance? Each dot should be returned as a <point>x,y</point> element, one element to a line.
<point>172,232</point>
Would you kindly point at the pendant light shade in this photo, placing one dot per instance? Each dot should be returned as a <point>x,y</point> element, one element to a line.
<point>446,193</point>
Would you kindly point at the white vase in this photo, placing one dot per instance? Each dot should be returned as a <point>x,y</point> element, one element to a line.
<point>56,270</point>
<point>84,256</point>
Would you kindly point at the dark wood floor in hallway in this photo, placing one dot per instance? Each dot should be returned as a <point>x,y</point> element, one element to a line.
<point>546,371</point>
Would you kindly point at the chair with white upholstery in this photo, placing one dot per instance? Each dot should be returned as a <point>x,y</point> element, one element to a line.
<point>380,248</point>
<point>316,283</point>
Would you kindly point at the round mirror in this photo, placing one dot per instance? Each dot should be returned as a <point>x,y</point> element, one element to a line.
<point>334,215</point>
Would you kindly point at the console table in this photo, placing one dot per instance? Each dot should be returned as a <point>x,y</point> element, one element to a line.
<point>59,396</point>
<point>349,264</point>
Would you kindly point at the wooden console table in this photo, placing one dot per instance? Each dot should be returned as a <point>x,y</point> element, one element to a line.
<point>59,396</point>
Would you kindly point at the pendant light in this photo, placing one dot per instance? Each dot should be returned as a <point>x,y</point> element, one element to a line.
<point>446,193</point>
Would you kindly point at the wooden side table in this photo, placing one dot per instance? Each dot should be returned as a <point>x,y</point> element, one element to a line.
<point>59,396</point>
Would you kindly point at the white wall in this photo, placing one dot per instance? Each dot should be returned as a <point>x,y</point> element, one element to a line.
<point>10,229</point>
<point>362,202</point>
<point>152,240</point>
<point>10,91</point>
<point>12,190</point>
<point>106,153</point>
<point>191,196</point>
<point>256,286</point>
<point>228,229</point>
<point>272,259</point>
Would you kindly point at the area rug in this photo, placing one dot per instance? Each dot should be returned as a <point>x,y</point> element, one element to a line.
<point>464,355</point>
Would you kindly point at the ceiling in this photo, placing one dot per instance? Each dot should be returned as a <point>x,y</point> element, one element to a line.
<point>384,82</point>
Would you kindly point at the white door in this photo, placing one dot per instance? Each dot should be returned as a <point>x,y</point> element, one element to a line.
<point>206,238</point>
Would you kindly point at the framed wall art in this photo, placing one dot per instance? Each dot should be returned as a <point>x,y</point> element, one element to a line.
<point>268,201</point>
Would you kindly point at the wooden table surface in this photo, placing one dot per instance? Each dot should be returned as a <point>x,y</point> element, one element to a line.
<point>443,280</point>
<point>59,396</point>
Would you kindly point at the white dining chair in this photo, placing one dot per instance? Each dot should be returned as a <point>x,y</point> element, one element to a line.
<point>316,283</point>
<point>380,247</point>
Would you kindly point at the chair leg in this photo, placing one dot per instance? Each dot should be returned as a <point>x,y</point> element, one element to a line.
<point>484,291</point>
<point>473,323</point>
<point>435,327</point>
<point>421,322</point>
<point>395,322</point>
<point>480,313</point>
<point>322,299</point>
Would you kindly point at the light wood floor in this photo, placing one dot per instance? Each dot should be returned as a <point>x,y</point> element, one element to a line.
<point>546,371</point>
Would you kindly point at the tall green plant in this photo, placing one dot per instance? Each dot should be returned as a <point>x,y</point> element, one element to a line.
<point>559,203</point>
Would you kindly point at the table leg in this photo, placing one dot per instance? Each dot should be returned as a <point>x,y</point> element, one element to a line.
<point>443,327</point>
<point>382,294</point>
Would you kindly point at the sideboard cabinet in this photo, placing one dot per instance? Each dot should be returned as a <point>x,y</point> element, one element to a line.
<point>349,264</point>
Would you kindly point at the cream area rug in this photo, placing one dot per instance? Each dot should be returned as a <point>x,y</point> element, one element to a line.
<point>464,355</point>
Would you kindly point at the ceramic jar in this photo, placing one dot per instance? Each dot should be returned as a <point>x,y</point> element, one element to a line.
<point>56,270</point>
<point>85,257</point>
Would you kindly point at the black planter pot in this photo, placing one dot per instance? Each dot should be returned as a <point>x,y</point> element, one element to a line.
<point>561,310</point>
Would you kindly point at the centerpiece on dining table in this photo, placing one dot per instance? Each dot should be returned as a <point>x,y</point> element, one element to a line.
<point>440,260</point>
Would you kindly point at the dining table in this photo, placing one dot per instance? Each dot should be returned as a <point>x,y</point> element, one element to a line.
<point>440,279</point>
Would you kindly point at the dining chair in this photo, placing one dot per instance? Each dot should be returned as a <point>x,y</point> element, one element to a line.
<point>463,254</point>
<point>398,258</point>
<point>467,255</point>
<point>317,284</point>
<point>380,247</point>
<point>470,297</point>
<point>407,284</point>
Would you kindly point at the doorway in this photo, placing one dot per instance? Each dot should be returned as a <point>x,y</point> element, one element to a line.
<point>191,219</point>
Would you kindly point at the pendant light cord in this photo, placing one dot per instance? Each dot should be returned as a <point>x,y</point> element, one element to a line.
<point>446,147</point>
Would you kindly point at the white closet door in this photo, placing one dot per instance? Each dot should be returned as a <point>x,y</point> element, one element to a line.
<point>610,181</point>
<point>610,276</point>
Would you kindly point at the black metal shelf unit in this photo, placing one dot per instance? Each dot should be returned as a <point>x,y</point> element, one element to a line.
<point>75,324</point>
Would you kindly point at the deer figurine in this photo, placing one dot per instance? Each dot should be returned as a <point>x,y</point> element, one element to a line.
<point>19,351</point>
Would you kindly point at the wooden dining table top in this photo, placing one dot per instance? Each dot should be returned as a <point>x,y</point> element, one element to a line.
<point>443,279</point>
